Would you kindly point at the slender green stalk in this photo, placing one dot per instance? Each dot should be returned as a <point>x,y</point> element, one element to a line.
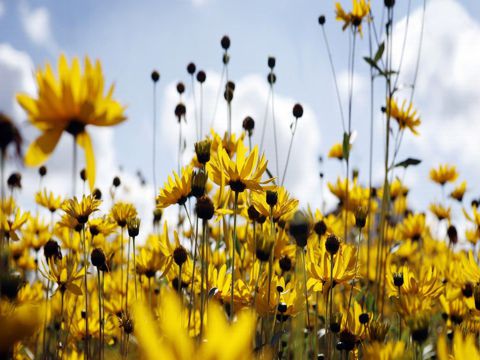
<point>128,273</point>
<point>234,242</point>
<point>100,322</point>
<point>134,266</point>
<point>192,289</point>
<point>85,259</point>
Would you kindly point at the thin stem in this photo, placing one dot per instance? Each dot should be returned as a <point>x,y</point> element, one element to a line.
<point>201,111</point>
<point>289,151</point>
<point>417,64</point>
<point>234,242</point>
<point>217,98</point>
<point>192,290</point>
<point>154,137</point>
<point>307,307</point>
<point>274,127</point>
<point>265,119</point>
<point>203,273</point>
<point>195,107</point>
<point>100,323</point>
<point>85,259</point>
<point>128,273</point>
<point>332,67</point>
<point>134,266</point>
<point>356,268</point>
<point>74,166</point>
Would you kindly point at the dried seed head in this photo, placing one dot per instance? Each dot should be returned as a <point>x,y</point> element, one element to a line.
<point>155,76</point>
<point>83,175</point>
<point>204,208</point>
<point>201,76</point>
<point>180,110</point>
<point>42,171</point>
<point>271,62</point>
<point>452,234</point>
<point>332,244</point>
<point>180,255</point>
<point>199,180</point>
<point>285,263</point>
<point>98,257</point>
<point>133,226</point>
<point>361,217</point>
<point>191,68</point>
<point>271,78</point>
<point>321,20</point>
<point>180,88</point>
<point>248,125</point>
<point>202,150</point>
<point>225,42</point>
<point>271,197</point>
<point>51,249</point>
<point>320,228</point>
<point>116,181</point>
<point>157,216</point>
<point>398,279</point>
<point>300,228</point>
<point>253,213</point>
<point>14,181</point>
<point>297,111</point>
<point>97,194</point>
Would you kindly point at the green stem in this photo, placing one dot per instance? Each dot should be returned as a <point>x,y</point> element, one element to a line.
<point>234,242</point>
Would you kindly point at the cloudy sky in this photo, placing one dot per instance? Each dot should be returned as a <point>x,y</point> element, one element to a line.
<point>133,37</point>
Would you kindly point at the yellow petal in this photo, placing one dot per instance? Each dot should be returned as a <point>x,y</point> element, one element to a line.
<point>39,151</point>
<point>84,141</point>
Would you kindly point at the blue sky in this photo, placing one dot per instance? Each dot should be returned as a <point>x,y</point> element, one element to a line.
<point>134,37</point>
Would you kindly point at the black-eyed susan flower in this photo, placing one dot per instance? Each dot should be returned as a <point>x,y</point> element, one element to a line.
<point>176,189</point>
<point>354,18</point>
<point>48,200</point>
<point>121,212</point>
<point>443,174</point>
<point>65,272</point>
<point>244,172</point>
<point>69,102</point>
<point>405,116</point>
<point>81,210</point>
<point>459,191</point>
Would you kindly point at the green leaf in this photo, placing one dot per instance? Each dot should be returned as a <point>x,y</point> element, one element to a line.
<point>379,53</point>
<point>346,145</point>
<point>372,63</point>
<point>75,289</point>
<point>407,162</point>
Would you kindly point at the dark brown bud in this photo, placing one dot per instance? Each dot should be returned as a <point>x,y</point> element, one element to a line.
<point>271,62</point>
<point>180,88</point>
<point>285,263</point>
<point>180,255</point>
<point>452,234</point>
<point>42,171</point>
<point>201,76</point>
<point>191,68</point>
<point>271,78</point>
<point>133,226</point>
<point>297,111</point>
<point>225,42</point>
<point>300,228</point>
<point>364,318</point>
<point>98,257</point>
<point>205,208</point>
<point>282,307</point>
<point>320,228</point>
<point>321,20</point>
<point>155,76</point>
<point>116,181</point>
<point>202,150</point>
<point>332,244</point>
<point>253,214</point>
<point>83,175</point>
<point>157,216</point>
<point>248,125</point>
<point>14,181</point>
<point>398,279</point>
<point>97,194</point>
<point>389,3</point>
<point>180,110</point>
<point>199,180</point>
<point>51,249</point>
<point>10,285</point>
<point>271,197</point>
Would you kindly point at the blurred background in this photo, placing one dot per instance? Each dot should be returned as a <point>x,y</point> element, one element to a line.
<point>132,38</point>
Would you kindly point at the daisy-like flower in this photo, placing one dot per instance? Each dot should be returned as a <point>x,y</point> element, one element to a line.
<point>441,212</point>
<point>413,227</point>
<point>245,172</point>
<point>69,103</point>
<point>65,272</point>
<point>176,190</point>
<point>284,208</point>
<point>336,151</point>
<point>360,10</point>
<point>405,116</point>
<point>81,210</point>
<point>459,191</point>
<point>443,174</point>
<point>464,347</point>
<point>122,212</point>
<point>48,200</point>
<point>9,227</point>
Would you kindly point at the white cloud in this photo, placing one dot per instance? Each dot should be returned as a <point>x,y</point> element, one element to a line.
<point>2,9</point>
<point>36,24</point>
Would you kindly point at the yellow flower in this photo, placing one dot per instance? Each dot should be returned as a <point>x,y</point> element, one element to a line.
<point>48,200</point>
<point>64,272</point>
<point>459,191</point>
<point>122,212</point>
<point>406,117</point>
<point>336,151</point>
<point>283,209</point>
<point>176,190</point>
<point>81,210</point>
<point>245,172</point>
<point>69,103</point>
<point>413,227</point>
<point>464,347</point>
<point>9,227</point>
<point>392,350</point>
<point>361,8</point>
<point>36,233</point>
<point>440,211</point>
<point>445,173</point>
